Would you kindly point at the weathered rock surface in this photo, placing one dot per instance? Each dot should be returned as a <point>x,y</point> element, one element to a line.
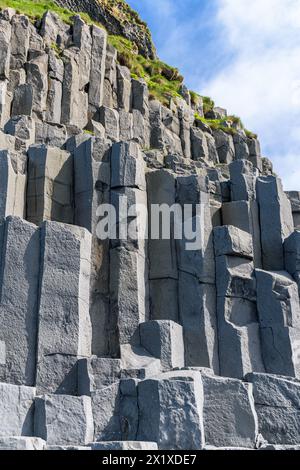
<point>122,332</point>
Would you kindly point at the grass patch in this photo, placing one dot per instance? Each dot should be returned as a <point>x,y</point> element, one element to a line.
<point>208,104</point>
<point>163,80</point>
<point>35,9</point>
<point>219,124</point>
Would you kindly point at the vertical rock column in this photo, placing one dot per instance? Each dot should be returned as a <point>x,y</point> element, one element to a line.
<point>128,254</point>
<point>19,301</point>
<point>238,326</point>
<point>64,332</point>
<point>91,188</point>
<point>276,221</point>
<point>196,265</point>
<point>163,271</point>
<point>12,183</point>
<point>50,185</point>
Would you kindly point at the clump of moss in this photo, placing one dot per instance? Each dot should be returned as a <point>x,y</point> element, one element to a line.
<point>195,98</point>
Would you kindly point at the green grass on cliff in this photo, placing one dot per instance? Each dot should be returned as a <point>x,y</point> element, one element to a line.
<point>35,9</point>
<point>163,80</point>
<point>220,124</point>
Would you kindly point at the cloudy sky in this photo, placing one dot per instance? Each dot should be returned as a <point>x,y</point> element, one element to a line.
<point>246,56</point>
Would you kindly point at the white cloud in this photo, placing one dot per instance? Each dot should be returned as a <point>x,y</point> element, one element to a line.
<point>261,81</point>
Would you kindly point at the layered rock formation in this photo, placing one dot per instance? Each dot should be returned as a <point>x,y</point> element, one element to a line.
<point>136,342</point>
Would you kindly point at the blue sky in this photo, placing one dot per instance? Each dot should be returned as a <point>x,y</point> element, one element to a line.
<point>246,56</point>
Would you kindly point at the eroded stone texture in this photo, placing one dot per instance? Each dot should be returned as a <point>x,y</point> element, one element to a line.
<point>167,408</point>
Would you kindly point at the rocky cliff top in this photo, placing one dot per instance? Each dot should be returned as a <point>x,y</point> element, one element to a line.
<point>118,18</point>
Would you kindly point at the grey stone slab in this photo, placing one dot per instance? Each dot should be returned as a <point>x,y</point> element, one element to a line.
<point>22,100</point>
<point>292,256</point>
<point>22,443</point>
<point>277,405</point>
<point>50,184</point>
<point>57,373</point>
<point>276,221</point>
<point>64,291</point>
<point>19,301</point>
<point>99,41</point>
<point>164,299</point>
<point>230,419</point>
<point>128,292</point>
<point>239,339</point>
<point>229,240</point>
<point>245,216</point>
<point>106,412</point>
<point>12,183</point>
<point>171,413</point>
<point>127,166</point>
<point>16,410</point>
<point>109,118</point>
<point>96,373</point>
<point>277,299</point>
<point>161,191</point>
<point>64,420</point>
<point>242,180</point>
<point>37,77</point>
<point>164,340</point>
<point>235,277</point>
<point>20,34</point>
<point>5,48</point>
<point>197,315</point>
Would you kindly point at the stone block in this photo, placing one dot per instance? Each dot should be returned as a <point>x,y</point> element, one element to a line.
<point>57,373</point>
<point>20,35</point>
<point>230,419</point>
<point>106,412</point>
<point>229,240</point>
<point>124,445</point>
<point>276,221</point>
<point>245,216</point>
<point>239,342</point>
<point>197,315</point>
<point>64,291</point>
<point>16,410</point>
<point>19,299</point>
<point>164,299</point>
<point>164,340</point>
<point>277,406</point>
<point>127,166</point>
<point>22,443</point>
<point>96,373</point>
<point>64,420</point>
<point>128,292</point>
<point>22,100</point>
<point>5,48</point>
<point>99,42</point>
<point>50,185</point>
<point>171,413</point>
<point>12,183</point>
<point>235,277</point>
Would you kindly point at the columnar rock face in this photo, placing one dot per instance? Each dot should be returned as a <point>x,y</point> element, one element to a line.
<point>149,264</point>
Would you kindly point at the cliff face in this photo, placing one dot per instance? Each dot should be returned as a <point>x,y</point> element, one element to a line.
<point>118,18</point>
<point>136,338</point>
